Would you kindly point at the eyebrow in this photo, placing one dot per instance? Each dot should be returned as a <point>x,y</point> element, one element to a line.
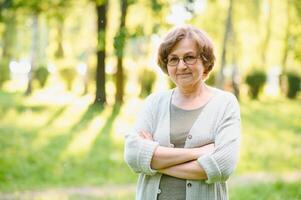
<point>189,52</point>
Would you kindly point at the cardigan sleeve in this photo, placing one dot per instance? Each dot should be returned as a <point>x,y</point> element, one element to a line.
<point>138,152</point>
<point>220,164</point>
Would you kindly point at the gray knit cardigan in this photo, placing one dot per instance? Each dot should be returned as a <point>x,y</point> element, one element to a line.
<point>219,122</point>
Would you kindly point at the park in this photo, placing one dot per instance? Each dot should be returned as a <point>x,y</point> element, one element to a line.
<point>74,74</point>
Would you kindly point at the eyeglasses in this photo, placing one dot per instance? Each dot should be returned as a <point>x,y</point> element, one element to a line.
<point>188,60</point>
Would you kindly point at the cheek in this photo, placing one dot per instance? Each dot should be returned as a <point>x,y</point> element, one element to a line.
<point>170,71</point>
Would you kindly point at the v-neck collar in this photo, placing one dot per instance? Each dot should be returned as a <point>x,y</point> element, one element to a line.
<point>205,108</point>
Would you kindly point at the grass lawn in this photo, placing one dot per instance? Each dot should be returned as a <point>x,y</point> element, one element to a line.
<point>271,136</point>
<point>267,191</point>
<point>46,142</point>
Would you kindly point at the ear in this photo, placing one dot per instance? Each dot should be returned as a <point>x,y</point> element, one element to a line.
<point>205,74</point>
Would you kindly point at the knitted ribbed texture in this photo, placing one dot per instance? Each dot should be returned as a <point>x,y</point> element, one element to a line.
<point>144,158</point>
<point>219,122</point>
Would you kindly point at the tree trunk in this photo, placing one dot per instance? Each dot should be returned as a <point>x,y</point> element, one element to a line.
<point>60,31</point>
<point>8,40</point>
<point>100,97</point>
<point>286,39</point>
<point>220,78</point>
<point>267,37</point>
<point>235,70</point>
<point>120,53</point>
<point>8,37</point>
<point>119,81</point>
<point>282,78</point>
<point>34,52</point>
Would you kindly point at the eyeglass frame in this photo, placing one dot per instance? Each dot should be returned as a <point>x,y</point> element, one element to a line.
<point>183,58</point>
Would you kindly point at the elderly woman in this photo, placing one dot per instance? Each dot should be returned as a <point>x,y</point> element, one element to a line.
<point>185,143</point>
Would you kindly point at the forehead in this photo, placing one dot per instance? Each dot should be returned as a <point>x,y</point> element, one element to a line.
<point>184,46</point>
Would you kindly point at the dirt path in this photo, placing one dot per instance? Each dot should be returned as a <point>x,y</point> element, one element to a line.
<point>111,191</point>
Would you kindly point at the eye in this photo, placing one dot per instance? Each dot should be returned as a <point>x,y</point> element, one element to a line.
<point>189,57</point>
<point>173,59</point>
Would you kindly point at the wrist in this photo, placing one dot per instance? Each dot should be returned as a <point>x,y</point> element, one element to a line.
<point>194,153</point>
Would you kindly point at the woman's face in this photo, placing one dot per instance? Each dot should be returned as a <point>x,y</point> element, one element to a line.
<point>189,73</point>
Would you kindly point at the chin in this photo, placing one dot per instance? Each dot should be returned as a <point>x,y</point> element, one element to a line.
<point>184,83</point>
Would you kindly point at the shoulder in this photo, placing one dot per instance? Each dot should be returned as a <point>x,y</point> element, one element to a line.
<point>158,97</point>
<point>227,104</point>
<point>225,96</point>
<point>225,101</point>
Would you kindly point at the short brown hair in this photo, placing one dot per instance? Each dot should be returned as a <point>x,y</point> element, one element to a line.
<point>205,46</point>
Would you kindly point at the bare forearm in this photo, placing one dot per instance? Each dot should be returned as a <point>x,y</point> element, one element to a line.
<point>190,170</point>
<point>165,157</point>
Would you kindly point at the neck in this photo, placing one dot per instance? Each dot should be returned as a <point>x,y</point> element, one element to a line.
<point>192,91</point>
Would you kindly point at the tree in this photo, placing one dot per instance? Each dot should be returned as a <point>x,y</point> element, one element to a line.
<point>34,51</point>
<point>33,8</point>
<point>119,43</point>
<point>287,37</point>
<point>227,35</point>
<point>267,37</point>
<point>7,17</point>
<point>101,9</point>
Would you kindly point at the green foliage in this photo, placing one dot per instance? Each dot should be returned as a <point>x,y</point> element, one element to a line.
<point>41,74</point>
<point>100,2</point>
<point>4,72</point>
<point>147,79</point>
<point>156,6</point>
<point>211,79</point>
<point>137,32</point>
<point>119,42</point>
<point>255,80</point>
<point>171,84</point>
<point>293,84</point>
<point>68,75</point>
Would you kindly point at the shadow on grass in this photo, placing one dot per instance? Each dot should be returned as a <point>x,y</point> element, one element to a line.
<point>24,166</point>
<point>14,101</point>
<point>101,151</point>
<point>54,116</point>
<point>36,168</point>
<point>90,113</point>
<point>60,142</point>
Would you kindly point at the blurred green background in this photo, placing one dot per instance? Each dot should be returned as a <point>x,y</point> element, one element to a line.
<point>73,75</point>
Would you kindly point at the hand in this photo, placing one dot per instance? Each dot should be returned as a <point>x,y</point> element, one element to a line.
<point>145,135</point>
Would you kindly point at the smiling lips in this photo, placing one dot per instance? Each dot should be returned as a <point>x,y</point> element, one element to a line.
<point>184,74</point>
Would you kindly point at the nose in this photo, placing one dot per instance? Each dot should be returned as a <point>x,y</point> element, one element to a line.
<point>182,64</point>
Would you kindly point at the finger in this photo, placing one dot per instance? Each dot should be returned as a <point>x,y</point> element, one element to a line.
<point>147,135</point>
<point>141,135</point>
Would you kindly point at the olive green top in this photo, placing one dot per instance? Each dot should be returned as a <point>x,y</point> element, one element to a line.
<point>181,122</point>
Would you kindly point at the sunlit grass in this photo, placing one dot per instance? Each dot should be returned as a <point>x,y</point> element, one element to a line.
<point>271,136</point>
<point>79,150</point>
<point>267,191</point>
<point>72,143</point>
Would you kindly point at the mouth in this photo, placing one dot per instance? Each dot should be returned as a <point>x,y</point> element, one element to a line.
<point>184,74</point>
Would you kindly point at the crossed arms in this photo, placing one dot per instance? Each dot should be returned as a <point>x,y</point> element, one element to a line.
<point>178,162</point>
<point>213,164</point>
